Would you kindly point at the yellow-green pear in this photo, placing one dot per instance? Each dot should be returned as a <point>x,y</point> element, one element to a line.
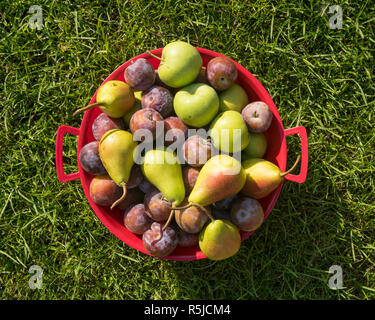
<point>262,177</point>
<point>116,149</point>
<point>162,169</point>
<point>221,177</point>
<point>219,240</point>
<point>115,98</point>
<point>229,132</point>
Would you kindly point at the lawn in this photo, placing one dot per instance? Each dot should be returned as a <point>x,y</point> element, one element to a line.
<point>319,78</point>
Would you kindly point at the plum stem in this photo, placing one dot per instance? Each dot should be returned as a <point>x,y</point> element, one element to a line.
<point>87,108</point>
<point>292,168</point>
<point>123,184</point>
<point>152,55</point>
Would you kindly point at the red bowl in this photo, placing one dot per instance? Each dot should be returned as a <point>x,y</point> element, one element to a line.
<point>276,153</point>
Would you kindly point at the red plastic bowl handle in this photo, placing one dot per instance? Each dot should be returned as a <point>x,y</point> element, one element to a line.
<point>301,177</point>
<point>59,154</point>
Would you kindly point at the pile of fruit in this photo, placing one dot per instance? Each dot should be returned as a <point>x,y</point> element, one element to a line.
<point>181,189</point>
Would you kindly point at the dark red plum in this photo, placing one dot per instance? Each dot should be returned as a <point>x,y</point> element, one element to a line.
<point>104,191</point>
<point>140,75</point>
<point>189,175</point>
<point>174,129</point>
<point>90,160</point>
<point>159,99</point>
<point>104,123</point>
<point>258,116</point>
<point>136,220</point>
<point>146,119</point>
<point>191,219</point>
<point>186,239</point>
<point>136,177</point>
<point>196,151</point>
<point>247,214</point>
<point>146,186</point>
<point>160,243</point>
<point>221,73</point>
<point>157,208</point>
<point>226,203</point>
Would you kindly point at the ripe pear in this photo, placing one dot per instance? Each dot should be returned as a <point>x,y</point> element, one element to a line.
<point>221,177</point>
<point>115,98</point>
<point>162,169</point>
<point>262,177</point>
<point>219,240</point>
<point>229,132</point>
<point>116,148</point>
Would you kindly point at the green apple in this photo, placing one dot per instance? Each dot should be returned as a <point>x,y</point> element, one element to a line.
<point>257,146</point>
<point>233,98</point>
<point>137,106</point>
<point>196,104</point>
<point>180,64</point>
<point>229,132</point>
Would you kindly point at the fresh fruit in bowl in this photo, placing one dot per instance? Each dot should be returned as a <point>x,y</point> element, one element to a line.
<point>196,151</point>
<point>257,116</point>
<point>160,99</point>
<point>116,150</point>
<point>90,160</point>
<point>221,73</point>
<point>219,240</point>
<point>180,64</point>
<point>174,130</point>
<point>137,220</point>
<point>143,123</point>
<point>160,242</point>
<point>104,123</point>
<point>140,75</point>
<point>196,105</point>
<point>114,97</point>
<point>257,146</point>
<point>229,132</point>
<point>200,196</point>
<point>247,214</point>
<point>262,177</point>
<point>234,98</point>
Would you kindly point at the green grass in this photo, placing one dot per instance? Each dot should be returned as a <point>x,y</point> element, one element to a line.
<point>319,78</point>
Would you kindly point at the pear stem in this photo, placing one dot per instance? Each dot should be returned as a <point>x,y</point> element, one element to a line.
<point>87,108</point>
<point>204,210</point>
<point>191,204</point>
<point>184,207</point>
<point>152,55</point>
<point>292,168</point>
<point>169,219</point>
<point>123,184</point>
